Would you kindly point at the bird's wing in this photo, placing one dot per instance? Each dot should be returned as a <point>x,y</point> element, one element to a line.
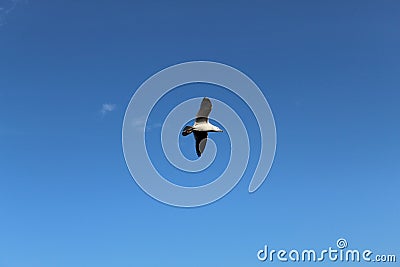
<point>204,111</point>
<point>201,140</point>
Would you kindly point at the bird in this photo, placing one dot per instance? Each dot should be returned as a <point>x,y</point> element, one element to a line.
<point>201,126</point>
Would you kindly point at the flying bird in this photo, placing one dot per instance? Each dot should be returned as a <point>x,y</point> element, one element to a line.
<point>201,126</point>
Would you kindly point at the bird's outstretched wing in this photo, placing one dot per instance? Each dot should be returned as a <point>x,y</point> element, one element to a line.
<point>204,111</point>
<point>201,140</point>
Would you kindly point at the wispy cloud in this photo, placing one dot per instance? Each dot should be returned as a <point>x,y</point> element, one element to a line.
<point>6,6</point>
<point>107,108</point>
<point>140,123</point>
<point>153,126</point>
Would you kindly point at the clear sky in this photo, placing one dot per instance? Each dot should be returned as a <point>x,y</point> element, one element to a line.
<point>329,69</point>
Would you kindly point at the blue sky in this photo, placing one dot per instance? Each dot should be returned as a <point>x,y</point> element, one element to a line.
<point>330,72</point>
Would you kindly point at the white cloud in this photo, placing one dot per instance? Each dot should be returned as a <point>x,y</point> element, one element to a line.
<point>153,126</point>
<point>6,6</point>
<point>140,123</point>
<point>107,108</point>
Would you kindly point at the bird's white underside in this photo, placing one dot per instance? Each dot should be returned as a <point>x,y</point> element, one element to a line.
<point>205,127</point>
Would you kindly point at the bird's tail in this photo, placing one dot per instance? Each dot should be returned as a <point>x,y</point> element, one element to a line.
<point>187,130</point>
